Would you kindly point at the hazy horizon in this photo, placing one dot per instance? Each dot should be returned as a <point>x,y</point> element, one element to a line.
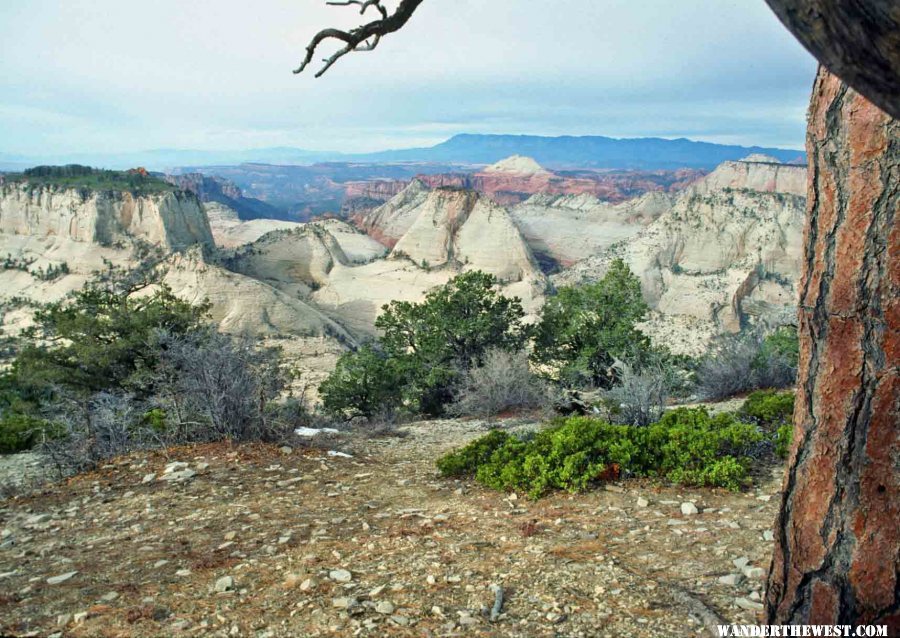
<point>213,76</point>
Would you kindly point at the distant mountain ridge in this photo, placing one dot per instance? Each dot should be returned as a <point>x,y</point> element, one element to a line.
<point>592,151</point>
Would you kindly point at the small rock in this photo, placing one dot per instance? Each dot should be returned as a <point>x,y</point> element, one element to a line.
<point>344,602</point>
<point>376,592</point>
<point>741,562</point>
<point>768,536</point>
<point>403,621</point>
<point>384,607</point>
<point>148,477</point>
<point>174,466</point>
<point>181,475</point>
<point>80,617</point>
<point>749,605</point>
<point>309,584</point>
<point>689,509</point>
<point>340,575</point>
<point>109,597</point>
<point>755,595</point>
<point>732,580</point>
<point>286,449</point>
<point>754,573</point>
<point>63,619</point>
<point>183,572</point>
<point>642,502</point>
<point>56,580</point>
<point>224,584</point>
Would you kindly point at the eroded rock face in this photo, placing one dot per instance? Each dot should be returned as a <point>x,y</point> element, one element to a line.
<point>837,540</point>
<point>172,220</point>
<point>728,252</point>
<point>568,228</point>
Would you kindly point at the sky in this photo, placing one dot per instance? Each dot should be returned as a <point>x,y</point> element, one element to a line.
<point>108,76</point>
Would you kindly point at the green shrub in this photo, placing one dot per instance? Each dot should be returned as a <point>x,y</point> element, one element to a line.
<point>19,432</point>
<point>784,436</point>
<point>768,408</point>
<point>364,383</point>
<point>686,446</point>
<point>465,461</point>
<point>434,342</point>
<point>583,330</point>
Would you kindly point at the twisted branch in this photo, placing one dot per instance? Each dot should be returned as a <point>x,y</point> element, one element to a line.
<point>362,38</point>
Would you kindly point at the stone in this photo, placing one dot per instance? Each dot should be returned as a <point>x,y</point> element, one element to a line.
<point>642,502</point>
<point>286,449</point>
<point>384,607</point>
<point>340,575</point>
<point>374,593</point>
<point>732,580</point>
<point>56,580</point>
<point>109,597</point>
<point>689,509</point>
<point>309,584</point>
<point>183,573</point>
<point>224,584</point>
<point>344,602</point>
<point>80,617</point>
<point>148,477</point>
<point>754,573</point>
<point>768,536</point>
<point>741,562</point>
<point>403,621</point>
<point>160,563</point>
<point>749,605</point>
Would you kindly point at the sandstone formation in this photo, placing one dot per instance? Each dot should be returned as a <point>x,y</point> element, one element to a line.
<point>172,220</point>
<point>515,179</point>
<point>568,228</point>
<point>727,253</point>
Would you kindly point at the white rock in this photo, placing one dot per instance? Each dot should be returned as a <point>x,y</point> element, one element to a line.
<point>749,605</point>
<point>224,584</point>
<point>384,607</point>
<point>741,562</point>
<point>732,580</point>
<point>768,536</point>
<point>342,455</point>
<point>310,432</point>
<point>344,602</point>
<point>689,509</point>
<point>754,573</point>
<point>340,575</point>
<point>56,580</point>
<point>148,477</point>
<point>642,502</point>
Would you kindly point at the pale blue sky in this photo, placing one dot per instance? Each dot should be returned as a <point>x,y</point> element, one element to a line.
<point>114,75</point>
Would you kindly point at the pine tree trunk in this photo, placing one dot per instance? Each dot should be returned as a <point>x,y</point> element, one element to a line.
<point>837,537</point>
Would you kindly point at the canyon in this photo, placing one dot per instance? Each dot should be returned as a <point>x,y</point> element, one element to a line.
<point>713,256</point>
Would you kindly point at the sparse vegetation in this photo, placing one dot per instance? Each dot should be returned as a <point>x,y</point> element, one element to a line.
<point>137,181</point>
<point>505,382</point>
<point>749,361</point>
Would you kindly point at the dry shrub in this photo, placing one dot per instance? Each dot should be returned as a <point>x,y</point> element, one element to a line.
<point>503,383</point>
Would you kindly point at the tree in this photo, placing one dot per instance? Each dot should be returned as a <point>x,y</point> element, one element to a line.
<point>583,330</point>
<point>448,333</point>
<point>837,553</point>
<point>364,383</point>
<point>837,544</point>
<point>100,338</point>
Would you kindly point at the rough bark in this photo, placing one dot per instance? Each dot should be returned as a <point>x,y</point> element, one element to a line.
<point>858,40</point>
<point>837,548</point>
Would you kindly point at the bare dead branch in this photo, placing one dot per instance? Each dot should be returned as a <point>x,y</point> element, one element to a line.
<point>363,38</point>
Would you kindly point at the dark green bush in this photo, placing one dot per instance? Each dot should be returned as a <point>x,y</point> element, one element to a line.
<point>465,461</point>
<point>783,438</point>
<point>768,408</point>
<point>583,330</point>
<point>686,446</point>
<point>20,432</point>
<point>364,383</point>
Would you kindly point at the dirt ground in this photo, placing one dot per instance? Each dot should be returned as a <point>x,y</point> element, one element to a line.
<point>264,542</point>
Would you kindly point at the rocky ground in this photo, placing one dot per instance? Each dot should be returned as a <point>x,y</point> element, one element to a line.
<point>266,541</point>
